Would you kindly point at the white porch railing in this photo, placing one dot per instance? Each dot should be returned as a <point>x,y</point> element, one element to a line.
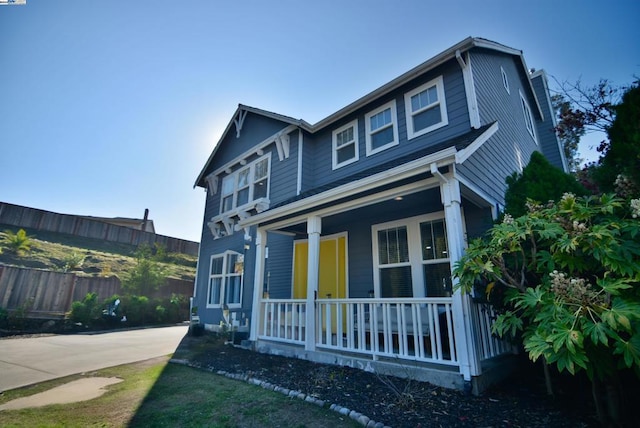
<point>412,329</point>
<point>487,344</point>
<point>283,320</point>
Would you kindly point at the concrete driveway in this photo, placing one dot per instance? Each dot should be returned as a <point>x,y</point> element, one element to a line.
<point>32,360</point>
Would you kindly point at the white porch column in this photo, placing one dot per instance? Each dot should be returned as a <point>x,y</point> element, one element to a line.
<point>314,228</point>
<point>467,355</point>
<point>258,283</point>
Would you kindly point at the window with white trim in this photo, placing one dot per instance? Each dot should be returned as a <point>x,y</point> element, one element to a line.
<point>528,117</point>
<point>246,185</point>
<point>411,258</point>
<point>345,145</point>
<point>382,128</point>
<point>505,80</point>
<point>426,108</point>
<point>225,280</point>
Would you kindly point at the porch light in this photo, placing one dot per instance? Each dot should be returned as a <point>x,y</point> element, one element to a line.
<point>398,198</point>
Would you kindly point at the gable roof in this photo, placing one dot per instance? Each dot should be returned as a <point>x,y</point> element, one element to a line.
<point>447,55</point>
<point>248,109</point>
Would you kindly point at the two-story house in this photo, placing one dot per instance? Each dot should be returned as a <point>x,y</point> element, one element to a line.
<point>335,241</point>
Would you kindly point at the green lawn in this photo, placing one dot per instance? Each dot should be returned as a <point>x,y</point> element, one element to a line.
<point>155,393</point>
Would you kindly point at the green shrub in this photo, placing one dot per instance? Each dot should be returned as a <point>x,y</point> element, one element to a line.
<point>18,243</point>
<point>4,318</point>
<point>138,310</point>
<point>73,261</point>
<point>87,311</point>
<point>539,181</point>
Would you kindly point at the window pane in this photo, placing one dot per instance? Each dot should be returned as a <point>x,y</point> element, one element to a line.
<point>434,240</point>
<point>396,282</point>
<point>344,137</point>
<point>214,291</point>
<point>243,178</point>
<point>227,203</point>
<point>227,185</point>
<point>260,189</point>
<point>427,118</point>
<point>382,138</point>
<point>243,196</point>
<point>440,240</point>
<point>261,169</point>
<point>383,248</point>
<point>437,279</point>
<point>232,292</point>
<point>216,266</point>
<point>346,153</point>
<point>231,263</point>
<point>380,119</point>
<point>393,246</point>
<point>424,99</point>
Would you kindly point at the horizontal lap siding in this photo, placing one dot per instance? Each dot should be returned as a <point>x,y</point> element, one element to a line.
<point>458,118</point>
<point>546,132</point>
<point>284,173</point>
<point>357,224</point>
<point>279,265</point>
<point>488,167</point>
<point>255,129</point>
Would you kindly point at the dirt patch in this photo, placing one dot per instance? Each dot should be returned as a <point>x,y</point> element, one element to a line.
<point>72,392</point>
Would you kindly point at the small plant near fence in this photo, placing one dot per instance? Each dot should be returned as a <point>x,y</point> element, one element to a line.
<point>17,242</point>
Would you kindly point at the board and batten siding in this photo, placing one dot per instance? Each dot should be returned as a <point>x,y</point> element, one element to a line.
<point>458,123</point>
<point>488,167</point>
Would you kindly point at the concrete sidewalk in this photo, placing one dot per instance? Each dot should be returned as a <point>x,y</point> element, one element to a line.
<point>33,360</point>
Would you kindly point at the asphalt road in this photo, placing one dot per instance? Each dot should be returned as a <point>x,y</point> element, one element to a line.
<point>32,360</point>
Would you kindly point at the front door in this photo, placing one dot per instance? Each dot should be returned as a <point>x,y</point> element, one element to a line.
<point>332,278</point>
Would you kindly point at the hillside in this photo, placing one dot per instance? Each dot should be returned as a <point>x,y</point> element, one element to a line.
<point>90,257</point>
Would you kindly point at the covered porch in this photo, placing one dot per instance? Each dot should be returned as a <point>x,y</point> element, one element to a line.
<point>384,300</point>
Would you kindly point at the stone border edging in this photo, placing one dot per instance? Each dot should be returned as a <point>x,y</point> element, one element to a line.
<point>358,417</point>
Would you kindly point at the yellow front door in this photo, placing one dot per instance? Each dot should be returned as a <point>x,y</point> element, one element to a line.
<point>332,278</point>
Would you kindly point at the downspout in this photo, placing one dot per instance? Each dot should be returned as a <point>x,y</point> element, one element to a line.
<point>451,200</point>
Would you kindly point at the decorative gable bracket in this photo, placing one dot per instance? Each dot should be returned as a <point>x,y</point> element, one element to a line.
<point>239,121</point>
<point>282,144</point>
<point>226,224</point>
<point>212,184</point>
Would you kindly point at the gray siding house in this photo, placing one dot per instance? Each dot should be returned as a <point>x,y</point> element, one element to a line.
<point>335,241</point>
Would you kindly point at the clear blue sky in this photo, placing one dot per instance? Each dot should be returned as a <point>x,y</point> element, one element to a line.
<point>111,107</point>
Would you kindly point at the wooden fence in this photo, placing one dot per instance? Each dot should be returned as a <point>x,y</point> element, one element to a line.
<point>52,293</point>
<point>16,215</point>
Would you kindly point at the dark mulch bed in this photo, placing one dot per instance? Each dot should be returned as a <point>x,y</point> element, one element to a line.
<point>518,402</point>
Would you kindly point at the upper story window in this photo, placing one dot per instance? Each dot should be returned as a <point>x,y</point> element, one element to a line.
<point>345,145</point>
<point>225,280</point>
<point>382,128</point>
<point>426,108</point>
<point>246,185</point>
<point>528,117</point>
<point>505,80</point>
